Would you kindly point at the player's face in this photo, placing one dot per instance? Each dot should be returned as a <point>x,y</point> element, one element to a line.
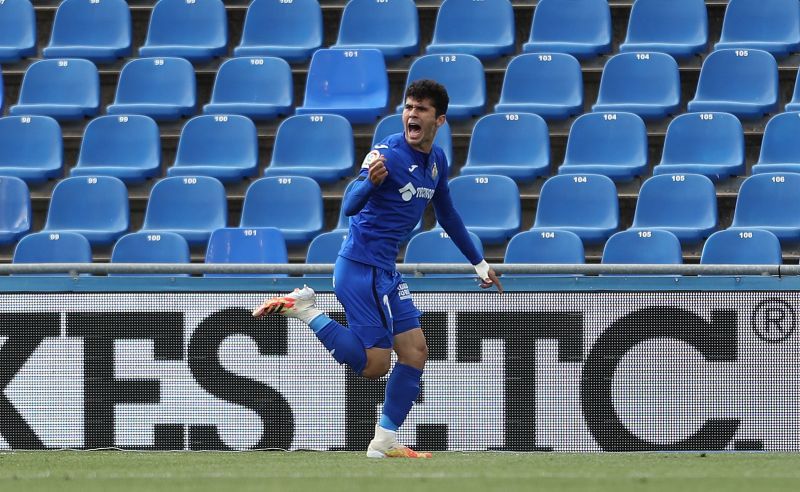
<point>420,123</point>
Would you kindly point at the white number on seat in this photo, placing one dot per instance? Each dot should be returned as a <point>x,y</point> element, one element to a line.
<point>189,181</point>
<point>285,181</point>
<point>746,235</point>
<point>548,235</point>
<point>482,180</point>
<point>154,237</point>
<point>580,179</point>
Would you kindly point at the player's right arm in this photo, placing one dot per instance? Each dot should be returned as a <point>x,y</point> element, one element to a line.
<point>372,175</point>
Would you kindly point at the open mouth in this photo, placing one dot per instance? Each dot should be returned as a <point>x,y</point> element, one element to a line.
<point>414,130</point>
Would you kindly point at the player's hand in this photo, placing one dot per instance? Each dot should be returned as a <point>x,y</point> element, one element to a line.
<point>493,280</point>
<point>378,171</point>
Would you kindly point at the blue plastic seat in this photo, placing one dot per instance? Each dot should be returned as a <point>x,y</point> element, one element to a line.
<point>350,83</point>
<point>127,147</point>
<point>318,146</point>
<point>30,148</point>
<point>2,100</point>
<point>742,247</point>
<point>17,30</point>
<point>292,204</point>
<point>516,145</point>
<point>192,206</point>
<point>643,247</point>
<point>676,27</point>
<point>437,247</point>
<point>484,29</point>
<point>393,123</point>
<point>161,88</point>
<point>53,247</point>
<point>581,28</point>
<point>246,245</point>
<point>683,204</point>
<point>391,26</point>
<point>711,144</point>
<point>196,30</point>
<point>66,89</point>
<point>463,77</point>
<point>325,247</point>
<point>612,144</point>
<point>221,146</point>
<point>780,147</point>
<point>96,30</point>
<point>95,207</point>
<point>550,85</point>
<point>772,26</point>
<point>545,247</point>
<point>585,204</point>
<point>770,201</point>
<point>145,247</point>
<point>259,88</point>
<point>489,206</point>
<point>15,209</point>
<point>741,82</point>
<point>647,84</point>
<point>289,30</point>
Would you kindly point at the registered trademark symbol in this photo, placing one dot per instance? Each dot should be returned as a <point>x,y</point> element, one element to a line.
<point>773,320</point>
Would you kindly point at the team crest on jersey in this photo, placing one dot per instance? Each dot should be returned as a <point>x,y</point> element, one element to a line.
<point>370,158</point>
<point>434,171</point>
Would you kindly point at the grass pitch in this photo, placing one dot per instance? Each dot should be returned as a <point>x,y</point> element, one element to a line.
<point>327,472</point>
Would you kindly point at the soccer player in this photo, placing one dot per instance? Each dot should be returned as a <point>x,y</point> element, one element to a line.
<point>398,178</point>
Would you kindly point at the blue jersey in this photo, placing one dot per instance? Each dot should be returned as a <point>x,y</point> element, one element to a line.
<point>396,206</point>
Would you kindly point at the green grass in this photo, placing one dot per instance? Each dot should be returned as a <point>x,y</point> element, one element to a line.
<point>325,472</point>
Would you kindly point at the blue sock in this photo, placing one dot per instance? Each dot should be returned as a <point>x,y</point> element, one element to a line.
<point>342,343</point>
<point>402,390</point>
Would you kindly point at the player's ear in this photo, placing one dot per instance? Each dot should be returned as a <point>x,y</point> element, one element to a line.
<point>441,120</point>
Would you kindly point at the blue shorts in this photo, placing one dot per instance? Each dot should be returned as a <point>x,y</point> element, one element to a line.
<point>377,302</point>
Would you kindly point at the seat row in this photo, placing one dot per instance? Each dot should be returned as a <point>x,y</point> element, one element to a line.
<point>197,29</point>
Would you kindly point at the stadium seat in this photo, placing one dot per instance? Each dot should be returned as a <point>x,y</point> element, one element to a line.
<point>15,209</point>
<point>391,26</point>
<point>770,201</point>
<point>292,204</point>
<point>462,75</point>
<point>550,85</point>
<point>65,89</point>
<point>17,30</point>
<point>647,84</point>
<point>393,123</point>
<point>30,148</point>
<point>318,146</point>
<point>683,204</point>
<point>161,88</point>
<point>145,247</point>
<point>127,147</point>
<point>754,93</point>
<point>246,245</point>
<point>484,29</point>
<point>351,83</point>
<point>545,247</point>
<point>516,145</point>
<point>794,104</point>
<point>780,147</point>
<point>96,30</point>
<point>325,247</point>
<point>612,144</point>
<point>437,247</point>
<point>585,204</point>
<point>711,144</point>
<point>94,206</point>
<point>772,26</point>
<point>489,206</point>
<point>581,28</point>
<point>196,30</point>
<point>53,247</point>
<point>2,100</point>
<point>742,247</point>
<point>643,247</point>
<point>259,88</point>
<point>190,206</point>
<point>221,146</point>
<point>289,30</point>
<point>676,27</point>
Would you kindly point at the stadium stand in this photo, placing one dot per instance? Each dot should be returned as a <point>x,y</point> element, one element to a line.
<point>770,201</point>
<point>581,28</point>
<point>550,85</point>
<point>677,27</point>
<point>742,247</point>
<point>489,206</point>
<point>65,89</point>
<point>246,245</point>
<point>192,206</point>
<point>391,26</point>
<point>145,247</point>
<point>516,145</point>
<point>484,29</point>
<point>658,247</point>
<point>711,144</point>
<point>780,148</point>
<point>50,247</point>
<point>91,29</point>
<point>196,30</point>
<point>15,209</point>
<point>272,202</point>
<point>289,30</point>
<point>30,148</point>
<point>772,26</point>
<point>221,146</point>
<point>161,88</point>
<point>393,123</point>
<point>611,144</point>
<point>257,87</point>
<point>17,30</point>
<point>463,75</point>
<point>545,246</point>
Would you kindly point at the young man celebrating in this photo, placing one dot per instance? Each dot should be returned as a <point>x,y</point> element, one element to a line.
<point>397,180</point>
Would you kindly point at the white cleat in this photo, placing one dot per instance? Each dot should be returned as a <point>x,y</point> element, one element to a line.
<point>299,304</point>
<point>385,445</point>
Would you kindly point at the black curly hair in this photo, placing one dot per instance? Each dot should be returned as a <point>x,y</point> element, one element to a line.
<point>430,89</point>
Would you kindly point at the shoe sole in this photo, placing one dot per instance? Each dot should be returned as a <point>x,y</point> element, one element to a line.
<point>276,305</point>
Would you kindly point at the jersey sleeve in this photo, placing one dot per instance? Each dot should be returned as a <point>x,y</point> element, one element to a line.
<point>358,195</point>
